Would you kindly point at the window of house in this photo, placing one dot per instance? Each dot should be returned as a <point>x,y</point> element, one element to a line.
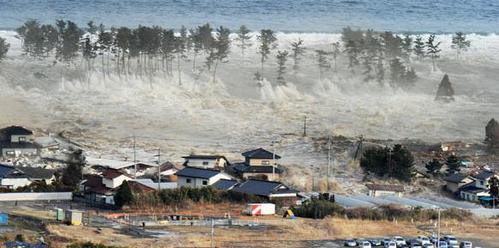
<point>265,162</point>
<point>205,163</point>
<point>188,180</point>
<point>205,182</point>
<point>10,153</point>
<point>481,182</point>
<point>22,139</point>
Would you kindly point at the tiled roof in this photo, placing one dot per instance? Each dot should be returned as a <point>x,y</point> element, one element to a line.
<point>262,188</point>
<point>15,130</point>
<point>197,172</point>
<point>472,189</point>
<point>260,153</point>
<point>36,172</point>
<point>6,170</point>
<point>224,184</point>
<point>455,178</point>
<point>193,156</point>
<point>484,175</point>
<point>111,174</point>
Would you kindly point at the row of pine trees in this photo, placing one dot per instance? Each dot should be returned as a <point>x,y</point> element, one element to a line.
<point>146,51</point>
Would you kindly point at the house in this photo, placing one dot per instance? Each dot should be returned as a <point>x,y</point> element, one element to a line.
<point>113,178</point>
<point>259,164</point>
<point>154,185</point>
<point>384,189</point>
<point>455,182</point>
<point>166,169</point>
<point>206,161</point>
<point>271,190</point>
<point>472,193</point>
<point>225,184</point>
<point>95,191</point>
<point>14,177</point>
<point>125,166</point>
<point>17,141</point>
<point>199,177</point>
<point>482,179</point>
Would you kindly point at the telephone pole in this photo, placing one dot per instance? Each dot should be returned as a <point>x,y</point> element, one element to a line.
<point>159,169</point>
<point>305,127</point>
<point>273,158</point>
<point>328,169</point>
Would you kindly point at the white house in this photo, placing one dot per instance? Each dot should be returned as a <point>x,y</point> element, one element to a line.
<point>478,188</point>
<point>14,177</point>
<point>113,179</point>
<point>206,161</point>
<point>482,179</point>
<point>199,177</point>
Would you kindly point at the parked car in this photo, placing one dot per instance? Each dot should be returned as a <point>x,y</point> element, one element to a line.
<point>451,241</point>
<point>443,244</point>
<point>423,240</point>
<point>399,241</point>
<point>365,244</point>
<point>434,239</point>
<point>376,242</point>
<point>386,240</point>
<point>415,244</point>
<point>390,244</point>
<point>350,243</point>
<point>466,244</point>
<point>430,245</point>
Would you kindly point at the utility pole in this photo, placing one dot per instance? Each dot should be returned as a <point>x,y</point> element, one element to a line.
<point>313,176</point>
<point>273,158</point>
<point>438,232</point>
<point>305,127</point>
<point>134,159</point>
<point>159,169</point>
<point>328,162</point>
<point>212,232</point>
<point>390,169</point>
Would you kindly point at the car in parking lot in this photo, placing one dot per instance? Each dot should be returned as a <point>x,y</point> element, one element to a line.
<point>451,241</point>
<point>414,244</point>
<point>423,240</point>
<point>466,244</point>
<point>365,244</point>
<point>442,244</point>
<point>399,241</point>
<point>430,245</point>
<point>390,244</point>
<point>350,243</point>
<point>376,242</point>
<point>386,240</point>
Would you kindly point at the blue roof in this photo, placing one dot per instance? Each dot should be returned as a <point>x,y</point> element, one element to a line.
<point>260,153</point>
<point>6,170</point>
<point>484,175</point>
<point>224,184</point>
<point>197,172</point>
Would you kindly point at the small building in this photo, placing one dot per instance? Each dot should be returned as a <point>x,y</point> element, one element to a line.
<point>74,217</point>
<point>206,161</point>
<point>17,141</point>
<point>199,177</point>
<point>4,218</point>
<point>259,164</point>
<point>147,182</point>
<point>166,169</point>
<point>384,189</point>
<point>455,182</point>
<point>270,190</point>
<point>472,193</point>
<point>95,191</point>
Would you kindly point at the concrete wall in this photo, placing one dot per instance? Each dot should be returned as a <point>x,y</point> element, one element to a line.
<point>206,163</point>
<point>375,193</point>
<point>42,196</point>
<point>115,182</point>
<point>16,138</point>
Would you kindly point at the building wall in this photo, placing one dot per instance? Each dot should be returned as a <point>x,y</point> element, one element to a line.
<point>206,163</point>
<point>6,152</point>
<point>200,182</point>
<point>256,162</point>
<point>376,193</point>
<point>15,138</point>
<point>269,176</point>
<point>14,183</point>
<point>472,197</point>
<point>115,182</point>
<point>454,187</point>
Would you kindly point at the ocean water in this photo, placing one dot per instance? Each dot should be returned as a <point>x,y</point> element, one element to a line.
<point>440,16</point>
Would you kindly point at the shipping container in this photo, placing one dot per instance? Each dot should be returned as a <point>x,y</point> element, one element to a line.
<point>4,219</point>
<point>59,214</point>
<point>74,217</point>
<point>258,209</point>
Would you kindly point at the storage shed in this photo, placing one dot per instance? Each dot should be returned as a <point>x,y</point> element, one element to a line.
<point>4,219</point>
<point>74,217</point>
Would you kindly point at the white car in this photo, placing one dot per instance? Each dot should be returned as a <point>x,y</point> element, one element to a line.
<point>423,240</point>
<point>350,243</point>
<point>391,244</point>
<point>365,244</point>
<point>399,241</point>
<point>451,241</point>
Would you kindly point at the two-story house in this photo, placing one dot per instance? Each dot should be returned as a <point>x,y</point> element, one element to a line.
<point>478,188</point>
<point>206,161</point>
<point>454,182</point>
<point>198,177</point>
<point>16,141</point>
<point>259,164</point>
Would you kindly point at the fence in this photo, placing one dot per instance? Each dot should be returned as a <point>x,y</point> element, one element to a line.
<point>42,196</point>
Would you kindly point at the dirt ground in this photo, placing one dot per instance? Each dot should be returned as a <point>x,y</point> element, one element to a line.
<point>278,231</point>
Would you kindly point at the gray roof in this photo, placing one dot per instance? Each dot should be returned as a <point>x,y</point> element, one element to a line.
<point>15,130</point>
<point>37,173</point>
<point>262,188</point>
<point>224,184</point>
<point>193,156</point>
<point>472,189</point>
<point>484,175</point>
<point>260,153</point>
<point>197,172</point>
<point>6,170</point>
<point>455,178</point>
